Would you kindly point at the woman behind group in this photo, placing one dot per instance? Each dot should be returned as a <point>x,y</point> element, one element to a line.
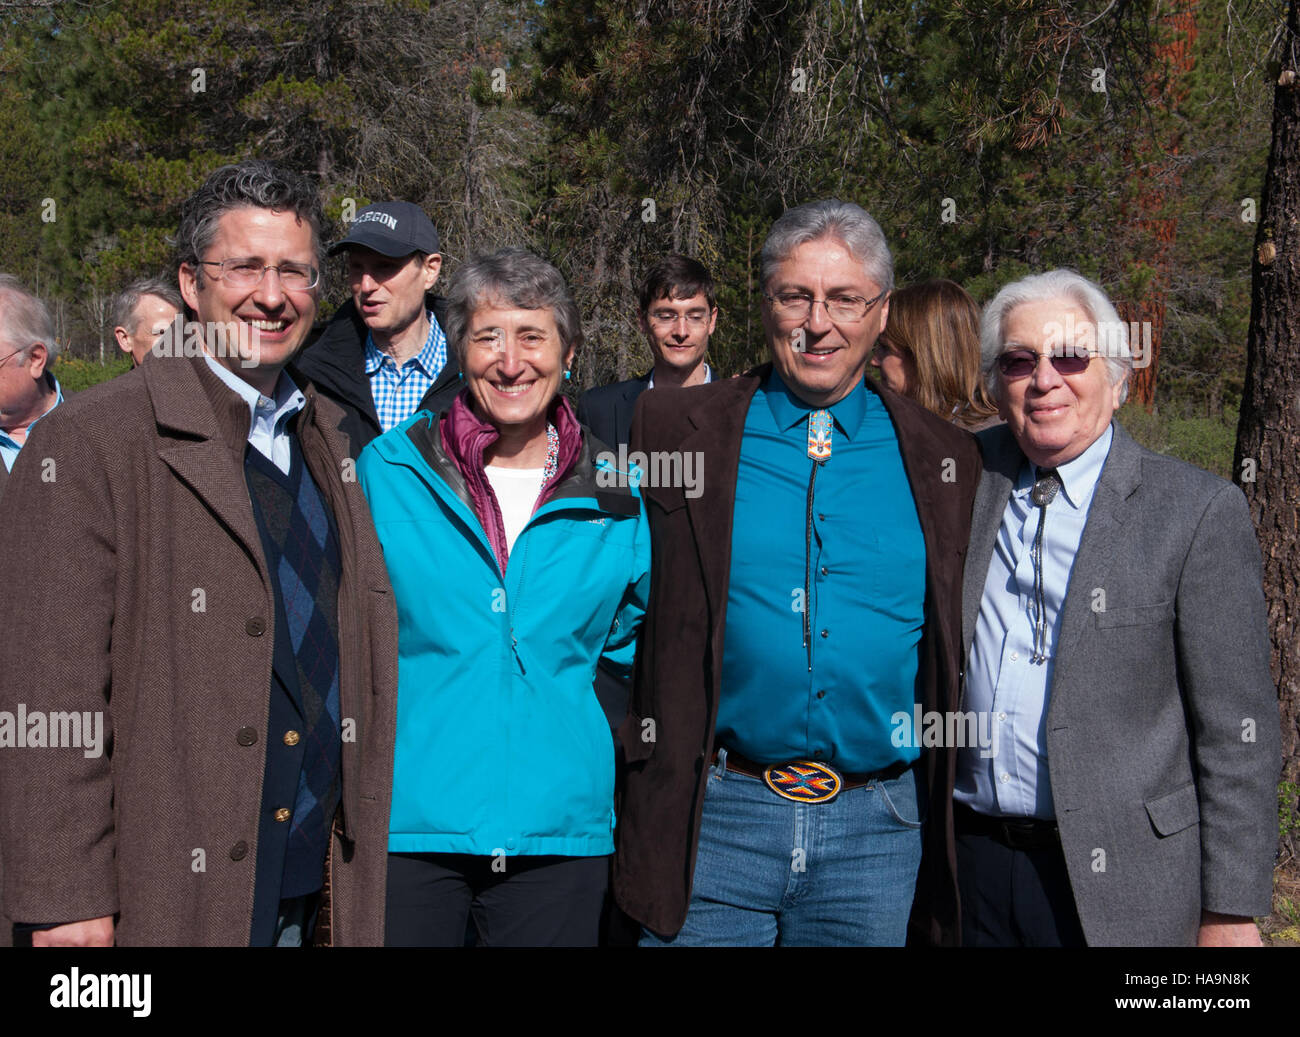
<point>930,351</point>
<point>517,559</point>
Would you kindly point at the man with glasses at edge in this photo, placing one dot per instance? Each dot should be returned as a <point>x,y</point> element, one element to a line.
<point>810,593</point>
<point>223,610</point>
<point>678,312</point>
<point>28,388</point>
<point>1114,625</point>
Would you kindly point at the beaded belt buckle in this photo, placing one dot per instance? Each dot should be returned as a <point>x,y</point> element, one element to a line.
<point>803,781</point>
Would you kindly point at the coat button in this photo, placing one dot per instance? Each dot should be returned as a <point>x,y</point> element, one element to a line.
<point>283,814</point>
<point>255,627</point>
<point>246,736</point>
<point>291,737</point>
<point>239,851</point>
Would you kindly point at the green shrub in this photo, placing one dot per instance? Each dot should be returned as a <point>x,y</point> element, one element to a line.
<point>75,373</point>
<point>1205,442</point>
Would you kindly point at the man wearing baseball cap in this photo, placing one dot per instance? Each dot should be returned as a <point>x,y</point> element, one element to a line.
<point>384,353</point>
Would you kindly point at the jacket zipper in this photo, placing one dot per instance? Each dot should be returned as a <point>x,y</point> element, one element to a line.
<point>519,593</point>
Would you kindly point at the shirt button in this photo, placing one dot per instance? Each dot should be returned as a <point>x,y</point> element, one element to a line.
<point>283,814</point>
<point>255,627</point>
<point>1015,656</point>
<point>239,851</point>
<point>821,694</point>
<point>825,570</point>
<point>817,753</point>
<point>826,633</point>
<point>821,516</point>
<point>291,737</point>
<point>1002,716</point>
<point>1005,778</point>
<point>246,735</point>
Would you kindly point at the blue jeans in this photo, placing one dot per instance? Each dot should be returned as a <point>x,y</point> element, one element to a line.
<point>771,871</point>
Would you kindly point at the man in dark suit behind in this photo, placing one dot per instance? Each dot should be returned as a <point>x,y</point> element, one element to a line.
<point>678,312</point>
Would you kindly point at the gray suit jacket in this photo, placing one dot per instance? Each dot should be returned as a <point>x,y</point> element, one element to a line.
<point>1163,742</point>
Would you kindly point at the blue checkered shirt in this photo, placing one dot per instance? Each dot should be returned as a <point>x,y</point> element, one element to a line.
<point>399,390</point>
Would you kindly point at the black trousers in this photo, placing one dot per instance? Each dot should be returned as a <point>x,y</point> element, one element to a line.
<point>1014,898</point>
<point>513,901</point>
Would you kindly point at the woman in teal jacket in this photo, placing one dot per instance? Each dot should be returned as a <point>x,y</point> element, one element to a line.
<point>519,556</point>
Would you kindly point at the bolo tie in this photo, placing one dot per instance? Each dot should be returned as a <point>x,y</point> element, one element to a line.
<point>1046,487</point>
<point>820,429</point>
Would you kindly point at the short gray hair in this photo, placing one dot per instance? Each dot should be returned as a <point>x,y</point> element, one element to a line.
<point>514,277</point>
<point>253,184</point>
<point>1111,332</point>
<point>124,305</point>
<point>26,320</point>
<point>844,221</point>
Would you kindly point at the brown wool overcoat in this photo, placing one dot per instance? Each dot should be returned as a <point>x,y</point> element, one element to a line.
<point>134,583</point>
<point>679,661</point>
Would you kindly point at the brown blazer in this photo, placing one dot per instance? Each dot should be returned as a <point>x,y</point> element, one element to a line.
<point>6,927</point>
<point>680,659</point>
<point>135,584</point>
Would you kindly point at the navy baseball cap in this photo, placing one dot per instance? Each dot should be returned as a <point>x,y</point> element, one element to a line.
<point>391,228</point>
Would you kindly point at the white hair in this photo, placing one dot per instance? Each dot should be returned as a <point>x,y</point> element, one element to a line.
<point>26,320</point>
<point>1111,332</point>
<point>842,221</point>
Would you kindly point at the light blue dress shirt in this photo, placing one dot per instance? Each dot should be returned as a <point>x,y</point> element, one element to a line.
<point>268,432</point>
<point>9,447</point>
<point>1001,679</point>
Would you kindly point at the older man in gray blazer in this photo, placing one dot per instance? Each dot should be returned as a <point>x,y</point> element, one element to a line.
<point>1116,643</point>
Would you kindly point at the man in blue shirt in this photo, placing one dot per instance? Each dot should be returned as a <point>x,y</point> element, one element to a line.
<point>384,355</point>
<point>28,388</point>
<point>806,595</point>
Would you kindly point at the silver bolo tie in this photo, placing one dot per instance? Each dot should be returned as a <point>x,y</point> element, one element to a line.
<point>1046,487</point>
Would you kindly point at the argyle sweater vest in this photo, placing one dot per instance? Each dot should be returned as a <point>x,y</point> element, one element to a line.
<point>301,787</point>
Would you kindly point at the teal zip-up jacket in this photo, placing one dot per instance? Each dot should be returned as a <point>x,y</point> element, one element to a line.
<point>502,747</point>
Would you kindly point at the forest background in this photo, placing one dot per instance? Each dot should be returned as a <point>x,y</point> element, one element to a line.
<point>1127,139</point>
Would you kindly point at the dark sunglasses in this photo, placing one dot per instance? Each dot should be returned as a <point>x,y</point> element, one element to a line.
<point>1021,363</point>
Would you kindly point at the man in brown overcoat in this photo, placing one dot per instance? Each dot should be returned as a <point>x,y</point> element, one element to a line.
<point>199,667</point>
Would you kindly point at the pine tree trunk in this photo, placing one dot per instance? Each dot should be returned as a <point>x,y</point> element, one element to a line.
<point>1267,461</point>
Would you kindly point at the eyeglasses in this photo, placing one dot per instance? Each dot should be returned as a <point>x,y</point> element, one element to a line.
<point>668,318</point>
<point>1021,363</point>
<point>245,273</point>
<point>10,357</point>
<point>798,305</point>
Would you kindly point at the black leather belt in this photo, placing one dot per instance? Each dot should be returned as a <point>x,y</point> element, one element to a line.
<point>1015,833</point>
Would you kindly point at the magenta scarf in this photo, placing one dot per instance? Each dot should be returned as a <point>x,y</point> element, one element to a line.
<point>465,439</point>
